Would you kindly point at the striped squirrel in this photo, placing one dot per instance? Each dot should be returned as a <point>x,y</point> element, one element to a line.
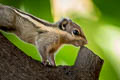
<point>47,37</point>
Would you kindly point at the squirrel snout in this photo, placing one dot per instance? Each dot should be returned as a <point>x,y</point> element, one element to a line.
<point>80,43</point>
<point>85,42</point>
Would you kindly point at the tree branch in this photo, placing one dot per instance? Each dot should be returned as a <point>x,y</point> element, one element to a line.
<point>15,65</point>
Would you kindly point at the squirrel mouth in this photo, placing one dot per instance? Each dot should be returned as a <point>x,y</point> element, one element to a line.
<point>77,44</point>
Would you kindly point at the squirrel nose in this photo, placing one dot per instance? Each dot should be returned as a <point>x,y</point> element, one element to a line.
<point>85,42</point>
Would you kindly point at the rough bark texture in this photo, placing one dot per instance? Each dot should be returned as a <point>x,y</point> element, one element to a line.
<point>15,65</point>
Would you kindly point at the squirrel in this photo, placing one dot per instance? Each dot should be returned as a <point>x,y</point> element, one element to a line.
<point>46,36</point>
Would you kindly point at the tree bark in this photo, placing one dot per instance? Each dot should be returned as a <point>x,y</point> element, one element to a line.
<point>15,65</point>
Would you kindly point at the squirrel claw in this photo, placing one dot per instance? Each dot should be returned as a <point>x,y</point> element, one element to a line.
<point>45,63</point>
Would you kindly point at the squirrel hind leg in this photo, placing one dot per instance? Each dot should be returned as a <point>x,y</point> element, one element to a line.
<point>47,58</point>
<point>51,59</point>
<point>44,57</point>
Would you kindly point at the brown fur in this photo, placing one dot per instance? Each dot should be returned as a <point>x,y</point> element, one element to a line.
<point>46,36</point>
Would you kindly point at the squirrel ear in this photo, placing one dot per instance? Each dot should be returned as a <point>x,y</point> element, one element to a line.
<point>63,23</point>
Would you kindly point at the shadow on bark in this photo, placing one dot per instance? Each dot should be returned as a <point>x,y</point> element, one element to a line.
<point>15,65</point>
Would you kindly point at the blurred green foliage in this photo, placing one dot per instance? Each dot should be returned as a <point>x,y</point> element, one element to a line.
<point>109,31</point>
<point>109,8</point>
<point>101,33</point>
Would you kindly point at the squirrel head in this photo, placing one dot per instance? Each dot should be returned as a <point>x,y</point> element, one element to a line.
<point>77,36</point>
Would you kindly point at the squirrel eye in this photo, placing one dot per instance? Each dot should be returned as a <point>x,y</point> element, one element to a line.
<point>76,32</point>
